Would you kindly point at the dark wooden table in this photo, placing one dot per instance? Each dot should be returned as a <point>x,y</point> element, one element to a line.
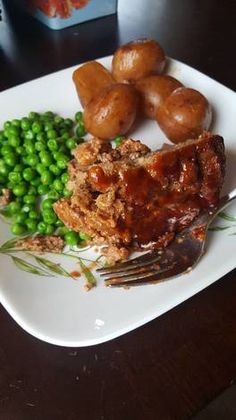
<point>176,364</point>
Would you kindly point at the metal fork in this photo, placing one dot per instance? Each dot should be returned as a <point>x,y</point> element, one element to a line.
<point>160,265</point>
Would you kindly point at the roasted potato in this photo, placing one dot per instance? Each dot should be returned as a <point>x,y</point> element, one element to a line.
<point>184,115</point>
<point>153,91</point>
<point>90,79</point>
<point>111,112</point>
<point>136,60</point>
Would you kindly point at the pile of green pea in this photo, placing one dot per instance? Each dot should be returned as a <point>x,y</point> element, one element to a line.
<point>34,153</point>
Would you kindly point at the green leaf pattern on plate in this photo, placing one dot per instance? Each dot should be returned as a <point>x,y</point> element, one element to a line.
<point>29,268</point>
<point>91,281</point>
<point>225,216</point>
<point>47,267</point>
<point>53,267</point>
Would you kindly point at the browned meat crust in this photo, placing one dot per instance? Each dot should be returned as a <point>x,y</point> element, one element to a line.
<point>130,197</point>
<point>41,243</point>
<point>5,198</point>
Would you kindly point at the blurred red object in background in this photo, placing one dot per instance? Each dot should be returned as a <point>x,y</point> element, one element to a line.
<point>60,8</point>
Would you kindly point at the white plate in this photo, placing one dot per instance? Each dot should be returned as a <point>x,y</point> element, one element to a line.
<point>57,309</point>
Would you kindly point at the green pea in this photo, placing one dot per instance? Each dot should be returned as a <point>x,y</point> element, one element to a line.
<point>20,150</point>
<point>67,193</point>
<point>54,169</point>
<point>15,177</point>
<point>49,216</point>
<point>65,135</point>
<point>58,120</point>
<point>35,182</point>
<point>20,217</point>
<point>58,185</point>
<point>46,158</point>
<point>28,208</point>
<point>18,229</point>
<point>47,203</point>
<point>29,147</point>
<point>33,215</point>
<point>84,236</point>
<point>80,130</point>
<point>40,168</point>
<point>20,189</point>
<point>37,127</point>
<point>72,238</point>
<point>51,134</point>
<point>4,169</point>
<point>59,223</point>
<point>29,135</point>
<point>13,130</point>
<point>19,167</point>
<point>65,177</point>
<point>48,114</point>
<point>25,124</point>
<point>118,140</point>
<point>29,199</point>
<point>79,116</point>
<point>16,123</point>
<point>50,229</point>
<point>63,149</point>
<point>43,189</point>
<point>41,137</point>
<point>31,225</point>
<point>62,163</point>
<point>39,146</point>
<point>42,227</point>
<point>48,126</point>
<point>29,174</point>
<point>54,195</point>
<point>7,124</point>
<point>62,231</point>
<point>33,115</point>
<point>32,160</point>
<point>32,190</point>
<point>46,177</point>
<point>14,207</point>
<point>6,149</point>
<point>14,140</point>
<point>68,122</point>
<point>10,159</point>
<point>52,145</point>
<point>71,143</point>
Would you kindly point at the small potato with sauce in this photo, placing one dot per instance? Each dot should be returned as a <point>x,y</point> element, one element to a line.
<point>185,114</point>
<point>112,112</point>
<point>90,79</point>
<point>153,92</point>
<point>136,60</point>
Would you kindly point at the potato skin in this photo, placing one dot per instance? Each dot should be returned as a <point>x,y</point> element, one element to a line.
<point>90,79</point>
<point>136,60</point>
<point>153,92</point>
<point>112,112</point>
<point>185,114</point>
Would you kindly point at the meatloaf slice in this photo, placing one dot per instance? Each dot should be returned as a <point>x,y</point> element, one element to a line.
<point>134,198</point>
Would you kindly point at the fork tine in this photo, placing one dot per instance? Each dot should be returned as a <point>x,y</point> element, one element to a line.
<point>145,259</point>
<point>142,277</point>
<point>166,275</point>
<point>132,267</point>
